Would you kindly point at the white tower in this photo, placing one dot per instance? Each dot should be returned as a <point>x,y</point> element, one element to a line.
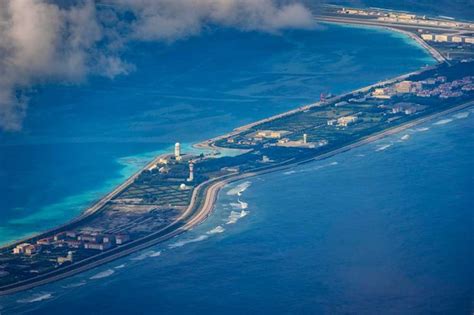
<point>305,138</point>
<point>191,172</point>
<point>177,151</point>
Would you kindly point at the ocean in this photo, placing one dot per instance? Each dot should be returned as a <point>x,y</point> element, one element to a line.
<point>383,228</point>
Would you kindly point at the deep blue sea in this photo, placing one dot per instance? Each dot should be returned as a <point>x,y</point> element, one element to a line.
<point>386,228</point>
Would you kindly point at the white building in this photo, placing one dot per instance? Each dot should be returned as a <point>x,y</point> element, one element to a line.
<point>177,151</point>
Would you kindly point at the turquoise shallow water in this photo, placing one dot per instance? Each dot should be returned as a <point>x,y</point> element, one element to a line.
<point>78,142</point>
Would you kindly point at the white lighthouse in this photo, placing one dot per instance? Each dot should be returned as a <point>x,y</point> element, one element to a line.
<point>177,151</point>
<point>191,172</point>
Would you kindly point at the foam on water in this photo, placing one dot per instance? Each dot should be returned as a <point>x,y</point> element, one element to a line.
<point>422,129</point>
<point>461,115</point>
<point>155,254</point>
<point>75,284</point>
<point>382,147</point>
<point>103,274</point>
<point>236,216</point>
<point>150,253</point>
<point>239,204</point>
<point>239,189</point>
<point>188,241</point>
<point>405,137</point>
<point>36,298</point>
<point>443,121</point>
<point>120,266</point>
<point>218,229</point>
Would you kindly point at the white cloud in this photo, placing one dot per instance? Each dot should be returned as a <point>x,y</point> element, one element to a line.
<point>41,41</point>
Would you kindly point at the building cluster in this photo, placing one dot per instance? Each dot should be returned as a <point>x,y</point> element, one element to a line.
<point>404,18</point>
<point>448,38</point>
<point>302,143</point>
<point>426,88</point>
<point>404,107</point>
<point>73,240</point>
<point>26,249</point>
<point>455,88</point>
<point>343,121</point>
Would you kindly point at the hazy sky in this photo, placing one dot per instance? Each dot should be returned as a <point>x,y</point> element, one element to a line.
<point>44,41</point>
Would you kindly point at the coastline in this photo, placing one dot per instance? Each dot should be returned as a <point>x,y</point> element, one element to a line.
<point>196,212</point>
<point>204,210</point>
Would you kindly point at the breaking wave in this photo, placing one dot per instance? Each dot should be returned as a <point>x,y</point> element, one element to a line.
<point>236,216</point>
<point>461,115</point>
<point>315,168</point>
<point>120,266</point>
<point>184,242</point>
<point>443,121</point>
<point>36,298</point>
<point>74,285</point>
<point>150,253</point>
<point>405,137</point>
<point>422,129</point>
<point>239,189</point>
<point>383,147</point>
<point>218,229</point>
<point>103,274</point>
<point>239,204</point>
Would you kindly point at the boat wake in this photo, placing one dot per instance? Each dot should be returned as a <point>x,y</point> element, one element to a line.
<point>103,274</point>
<point>188,241</point>
<point>239,189</point>
<point>36,298</point>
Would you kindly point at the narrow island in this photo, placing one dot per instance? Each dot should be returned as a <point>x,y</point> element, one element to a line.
<point>177,191</point>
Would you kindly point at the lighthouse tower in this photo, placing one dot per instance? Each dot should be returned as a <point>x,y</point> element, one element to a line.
<point>191,172</point>
<point>177,151</point>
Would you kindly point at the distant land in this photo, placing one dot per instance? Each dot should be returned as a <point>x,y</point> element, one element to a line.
<point>176,191</point>
<point>458,9</point>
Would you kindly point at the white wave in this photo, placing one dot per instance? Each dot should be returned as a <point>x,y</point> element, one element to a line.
<point>239,189</point>
<point>36,298</point>
<point>239,205</point>
<point>120,266</point>
<point>443,121</point>
<point>360,155</point>
<point>405,137</point>
<point>383,147</point>
<point>103,274</point>
<point>289,172</point>
<point>184,242</point>
<point>155,254</point>
<point>461,115</point>
<point>422,129</point>
<point>236,216</point>
<point>218,229</point>
<point>150,253</point>
<point>74,285</point>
